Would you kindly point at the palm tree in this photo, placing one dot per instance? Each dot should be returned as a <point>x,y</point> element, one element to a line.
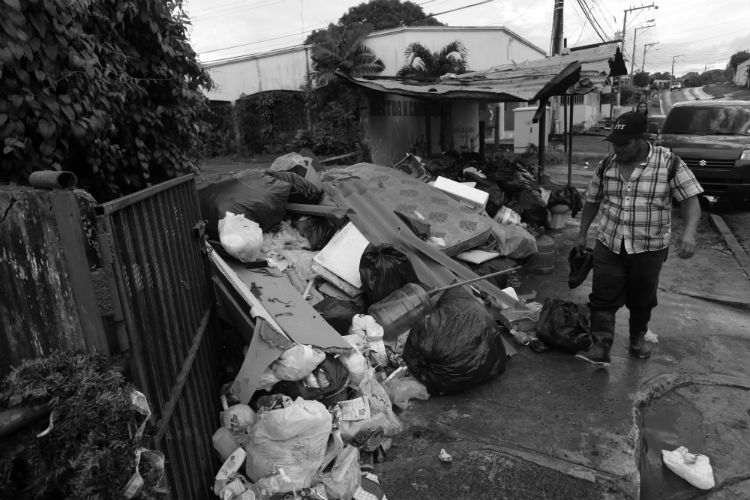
<point>421,62</point>
<point>342,49</point>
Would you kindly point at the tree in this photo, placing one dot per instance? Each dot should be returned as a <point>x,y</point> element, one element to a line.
<point>660,76</point>
<point>737,59</point>
<point>692,79</point>
<point>421,62</point>
<point>384,14</point>
<point>110,90</point>
<point>641,79</point>
<point>342,49</point>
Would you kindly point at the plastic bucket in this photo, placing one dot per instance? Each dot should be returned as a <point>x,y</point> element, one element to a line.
<point>397,312</point>
<point>542,262</point>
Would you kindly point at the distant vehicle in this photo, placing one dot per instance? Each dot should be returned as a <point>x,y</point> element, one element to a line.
<point>713,139</point>
<point>677,85</point>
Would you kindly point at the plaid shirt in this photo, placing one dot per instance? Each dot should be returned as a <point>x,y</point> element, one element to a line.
<point>638,212</point>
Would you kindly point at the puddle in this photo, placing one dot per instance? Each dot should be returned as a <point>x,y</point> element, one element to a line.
<point>671,422</point>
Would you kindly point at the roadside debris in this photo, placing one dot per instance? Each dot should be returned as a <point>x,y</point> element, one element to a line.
<point>693,468</point>
<point>358,301</point>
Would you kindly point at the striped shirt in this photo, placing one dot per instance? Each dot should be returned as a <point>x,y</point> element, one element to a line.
<point>638,212</point>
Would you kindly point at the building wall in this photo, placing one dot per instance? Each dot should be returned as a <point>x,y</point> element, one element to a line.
<point>486,47</point>
<point>279,70</point>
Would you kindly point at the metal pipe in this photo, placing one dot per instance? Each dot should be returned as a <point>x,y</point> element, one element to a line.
<point>53,179</point>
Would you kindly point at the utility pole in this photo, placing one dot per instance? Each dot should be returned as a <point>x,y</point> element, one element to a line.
<point>624,26</point>
<point>671,73</point>
<point>635,35</point>
<point>645,46</point>
<point>557,27</point>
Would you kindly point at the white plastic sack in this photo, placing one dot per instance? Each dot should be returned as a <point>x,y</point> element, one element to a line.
<point>357,366</point>
<point>345,476</point>
<point>294,439</point>
<point>402,387</point>
<point>298,362</point>
<point>695,469</point>
<point>240,237</point>
<point>513,241</point>
<point>289,161</point>
<point>507,216</point>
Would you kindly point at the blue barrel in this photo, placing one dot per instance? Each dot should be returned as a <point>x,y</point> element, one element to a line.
<point>543,261</point>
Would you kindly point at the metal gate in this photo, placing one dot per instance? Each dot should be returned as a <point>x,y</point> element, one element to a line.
<point>154,242</point>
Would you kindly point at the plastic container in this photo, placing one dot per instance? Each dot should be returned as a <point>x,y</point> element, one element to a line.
<point>557,219</point>
<point>542,262</point>
<point>225,442</point>
<point>397,312</point>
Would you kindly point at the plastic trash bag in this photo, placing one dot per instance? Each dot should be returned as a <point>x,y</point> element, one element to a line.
<point>568,196</point>
<point>328,384</point>
<point>294,438</point>
<point>533,209</point>
<point>288,161</point>
<point>301,190</point>
<point>298,362</point>
<point>693,468</point>
<point>344,477</point>
<point>507,215</point>
<point>384,269</point>
<point>256,195</point>
<point>513,241</point>
<point>580,261</point>
<point>338,313</point>
<point>401,387</point>
<point>317,230</point>
<point>357,366</point>
<point>456,347</point>
<point>564,325</point>
<point>241,238</point>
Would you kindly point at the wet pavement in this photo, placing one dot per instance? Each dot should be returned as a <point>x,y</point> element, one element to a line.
<point>554,427</point>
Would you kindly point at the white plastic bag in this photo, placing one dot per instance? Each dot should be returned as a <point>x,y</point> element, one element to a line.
<point>695,469</point>
<point>345,476</point>
<point>357,365</point>
<point>402,387</point>
<point>298,362</point>
<point>513,241</point>
<point>240,237</point>
<point>294,439</point>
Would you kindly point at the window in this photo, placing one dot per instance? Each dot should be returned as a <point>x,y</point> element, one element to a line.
<point>714,120</point>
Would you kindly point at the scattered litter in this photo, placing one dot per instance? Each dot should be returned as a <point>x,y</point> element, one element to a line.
<point>444,456</point>
<point>693,468</point>
<point>651,337</point>
<point>241,238</point>
<point>477,256</point>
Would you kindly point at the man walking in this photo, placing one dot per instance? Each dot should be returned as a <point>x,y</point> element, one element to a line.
<point>634,189</point>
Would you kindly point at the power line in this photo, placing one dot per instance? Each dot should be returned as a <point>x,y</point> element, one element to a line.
<point>586,13</point>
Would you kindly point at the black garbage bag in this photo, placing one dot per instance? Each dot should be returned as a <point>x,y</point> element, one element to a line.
<point>317,230</point>
<point>568,196</point>
<point>564,325</point>
<point>457,346</point>
<point>532,207</point>
<point>496,199</point>
<point>254,194</point>
<point>302,190</point>
<point>338,313</point>
<point>332,378</point>
<point>384,269</point>
<point>493,266</point>
<point>581,261</point>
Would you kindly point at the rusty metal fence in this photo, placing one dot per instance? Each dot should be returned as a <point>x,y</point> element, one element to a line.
<point>154,246</point>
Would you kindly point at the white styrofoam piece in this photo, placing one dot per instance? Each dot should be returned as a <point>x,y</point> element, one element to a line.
<point>510,291</point>
<point>342,254</point>
<point>477,256</point>
<point>472,195</point>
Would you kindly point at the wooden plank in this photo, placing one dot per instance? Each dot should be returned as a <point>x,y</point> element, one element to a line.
<point>68,219</point>
<point>327,211</point>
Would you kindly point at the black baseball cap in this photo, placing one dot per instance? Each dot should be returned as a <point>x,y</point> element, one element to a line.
<point>628,126</point>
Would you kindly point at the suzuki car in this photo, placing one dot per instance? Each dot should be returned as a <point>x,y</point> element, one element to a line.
<point>713,139</point>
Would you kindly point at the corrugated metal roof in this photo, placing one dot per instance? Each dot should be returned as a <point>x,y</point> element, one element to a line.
<point>510,82</point>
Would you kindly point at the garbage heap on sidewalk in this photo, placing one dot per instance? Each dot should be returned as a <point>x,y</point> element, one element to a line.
<point>355,278</point>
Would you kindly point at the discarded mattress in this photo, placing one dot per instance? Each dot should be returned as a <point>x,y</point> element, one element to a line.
<point>460,225</point>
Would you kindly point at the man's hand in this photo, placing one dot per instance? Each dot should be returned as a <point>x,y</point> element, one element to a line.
<point>581,241</point>
<point>686,248</point>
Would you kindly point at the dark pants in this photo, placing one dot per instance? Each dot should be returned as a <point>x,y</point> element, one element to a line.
<point>622,279</point>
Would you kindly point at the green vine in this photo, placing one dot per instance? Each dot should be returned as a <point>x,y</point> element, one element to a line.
<point>108,89</point>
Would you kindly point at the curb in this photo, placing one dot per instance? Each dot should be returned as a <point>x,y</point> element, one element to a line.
<point>739,253</point>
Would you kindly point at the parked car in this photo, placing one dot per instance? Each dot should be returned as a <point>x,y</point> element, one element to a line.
<point>713,138</point>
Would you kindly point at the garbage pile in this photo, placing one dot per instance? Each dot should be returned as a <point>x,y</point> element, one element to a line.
<point>364,285</point>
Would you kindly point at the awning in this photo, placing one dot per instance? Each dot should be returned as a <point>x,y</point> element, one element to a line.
<point>580,71</point>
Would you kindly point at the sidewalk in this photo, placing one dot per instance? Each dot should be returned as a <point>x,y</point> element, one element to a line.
<point>554,427</point>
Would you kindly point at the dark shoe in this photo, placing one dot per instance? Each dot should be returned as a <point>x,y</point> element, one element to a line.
<point>596,355</point>
<point>639,348</point>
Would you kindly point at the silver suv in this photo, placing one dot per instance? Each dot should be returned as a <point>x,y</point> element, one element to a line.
<point>713,138</point>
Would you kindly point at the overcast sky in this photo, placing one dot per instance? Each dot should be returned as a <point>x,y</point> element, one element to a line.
<point>698,34</point>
